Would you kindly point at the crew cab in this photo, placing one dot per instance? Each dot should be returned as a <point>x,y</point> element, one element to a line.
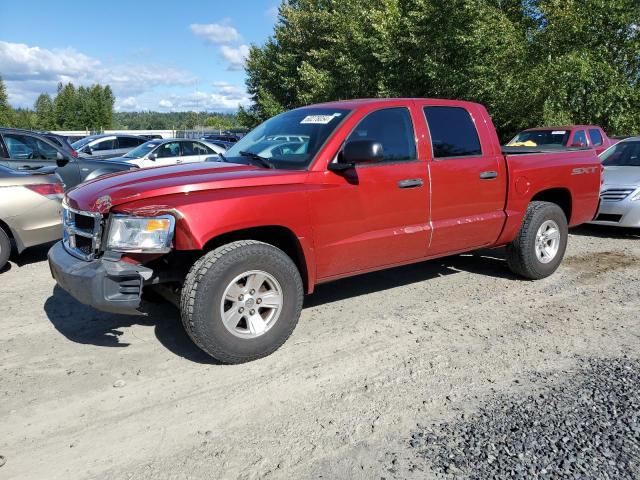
<point>352,187</point>
<point>579,136</point>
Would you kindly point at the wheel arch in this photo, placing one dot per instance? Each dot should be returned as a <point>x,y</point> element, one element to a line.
<point>560,196</point>
<point>277,235</point>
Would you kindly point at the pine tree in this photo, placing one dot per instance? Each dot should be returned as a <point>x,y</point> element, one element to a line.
<point>5,109</point>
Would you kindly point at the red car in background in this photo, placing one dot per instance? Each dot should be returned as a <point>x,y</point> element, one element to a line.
<point>580,136</point>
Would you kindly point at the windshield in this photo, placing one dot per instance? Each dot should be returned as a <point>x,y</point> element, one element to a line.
<point>623,154</point>
<point>82,142</point>
<point>289,140</point>
<point>142,150</point>
<point>535,138</point>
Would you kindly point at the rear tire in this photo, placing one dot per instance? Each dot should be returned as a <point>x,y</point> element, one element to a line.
<point>5,248</point>
<point>539,247</point>
<point>241,301</point>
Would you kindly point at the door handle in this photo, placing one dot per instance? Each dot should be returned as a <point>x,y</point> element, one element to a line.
<point>410,183</point>
<point>488,175</point>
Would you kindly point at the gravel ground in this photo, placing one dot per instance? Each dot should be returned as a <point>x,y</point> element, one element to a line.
<point>376,361</point>
<point>585,424</point>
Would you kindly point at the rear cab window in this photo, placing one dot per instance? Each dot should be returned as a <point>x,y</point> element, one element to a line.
<point>453,132</point>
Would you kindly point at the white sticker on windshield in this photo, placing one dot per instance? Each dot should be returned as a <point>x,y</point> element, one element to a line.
<point>319,119</point>
<point>558,132</point>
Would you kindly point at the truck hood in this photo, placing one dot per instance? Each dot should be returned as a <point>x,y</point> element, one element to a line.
<point>102,194</point>
<point>623,176</point>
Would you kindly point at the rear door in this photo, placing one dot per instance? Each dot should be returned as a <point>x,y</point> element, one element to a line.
<point>192,152</point>
<point>468,179</point>
<point>376,214</point>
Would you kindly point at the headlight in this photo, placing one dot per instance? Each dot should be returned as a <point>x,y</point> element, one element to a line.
<point>636,196</point>
<point>140,234</point>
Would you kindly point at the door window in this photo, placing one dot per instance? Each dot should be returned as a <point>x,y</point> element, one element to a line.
<point>195,148</point>
<point>393,129</point>
<point>171,149</point>
<point>129,142</point>
<point>26,147</point>
<point>580,138</point>
<point>453,133</point>
<point>108,144</point>
<point>596,137</point>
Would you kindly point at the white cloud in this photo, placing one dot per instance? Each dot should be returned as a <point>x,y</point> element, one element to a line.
<point>217,33</point>
<point>128,103</point>
<point>227,88</point>
<point>164,103</point>
<point>234,56</point>
<point>29,71</point>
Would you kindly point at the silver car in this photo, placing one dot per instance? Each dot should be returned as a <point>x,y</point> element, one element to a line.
<point>107,146</point>
<point>620,193</point>
<point>29,209</point>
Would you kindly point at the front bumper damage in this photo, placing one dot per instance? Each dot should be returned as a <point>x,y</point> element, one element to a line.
<point>106,284</point>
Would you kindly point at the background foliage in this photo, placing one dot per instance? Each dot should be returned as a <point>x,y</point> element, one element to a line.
<point>531,62</point>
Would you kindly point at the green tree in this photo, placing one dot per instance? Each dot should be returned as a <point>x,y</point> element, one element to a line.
<point>5,108</point>
<point>532,62</point>
<point>65,108</point>
<point>43,107</point>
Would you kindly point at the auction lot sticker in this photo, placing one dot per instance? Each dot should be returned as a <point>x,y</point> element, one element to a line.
<point>319,119</point>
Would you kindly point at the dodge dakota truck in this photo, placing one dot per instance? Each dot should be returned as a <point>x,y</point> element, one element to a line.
<point>312,195</point>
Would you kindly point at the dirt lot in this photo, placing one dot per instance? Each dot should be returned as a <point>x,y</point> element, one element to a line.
<point>91,395</point>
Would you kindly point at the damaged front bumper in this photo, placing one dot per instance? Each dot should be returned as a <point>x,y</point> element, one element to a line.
<point>106,284</point>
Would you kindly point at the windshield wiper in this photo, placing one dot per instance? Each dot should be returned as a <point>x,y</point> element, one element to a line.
<point>261,160</point>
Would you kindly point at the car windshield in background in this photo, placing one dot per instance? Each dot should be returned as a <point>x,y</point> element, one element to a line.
<point>289,140</point>
<point>623,154</point>
<point>537,138</point>
<point>142,150</point>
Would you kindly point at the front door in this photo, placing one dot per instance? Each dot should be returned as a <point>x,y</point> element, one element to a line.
<point>468,182</point>
<point>376,214</point>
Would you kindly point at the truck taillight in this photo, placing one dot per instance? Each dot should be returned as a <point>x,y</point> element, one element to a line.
<point>601,174</point>
<point>49,190</point>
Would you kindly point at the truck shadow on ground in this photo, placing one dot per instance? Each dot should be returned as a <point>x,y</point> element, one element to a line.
<point>82,324</point>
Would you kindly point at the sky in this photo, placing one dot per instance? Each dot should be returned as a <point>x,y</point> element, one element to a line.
<point>161,56</point>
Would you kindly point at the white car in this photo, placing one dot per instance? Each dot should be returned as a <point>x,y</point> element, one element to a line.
<point>157,153</point>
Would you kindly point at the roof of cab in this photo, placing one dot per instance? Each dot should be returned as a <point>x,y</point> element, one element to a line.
<point>360,102</point>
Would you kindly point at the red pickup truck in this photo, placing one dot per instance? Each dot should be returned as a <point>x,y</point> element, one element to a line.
<point>313,195</point>
<point>578,136</point>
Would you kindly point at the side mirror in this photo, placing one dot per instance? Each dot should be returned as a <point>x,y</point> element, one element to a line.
<point>88,150</point>
<point>358,151</point>
<point>61,160</point>
<point>153,156</point>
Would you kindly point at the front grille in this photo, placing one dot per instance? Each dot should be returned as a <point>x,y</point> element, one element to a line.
<point>82,232</point>
<point>608,217</point>
<point>615,194</point>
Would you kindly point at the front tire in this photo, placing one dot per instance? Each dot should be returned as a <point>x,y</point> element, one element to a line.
<point>241,301</point>
<point>5,248</point>
<point>539,248</point>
